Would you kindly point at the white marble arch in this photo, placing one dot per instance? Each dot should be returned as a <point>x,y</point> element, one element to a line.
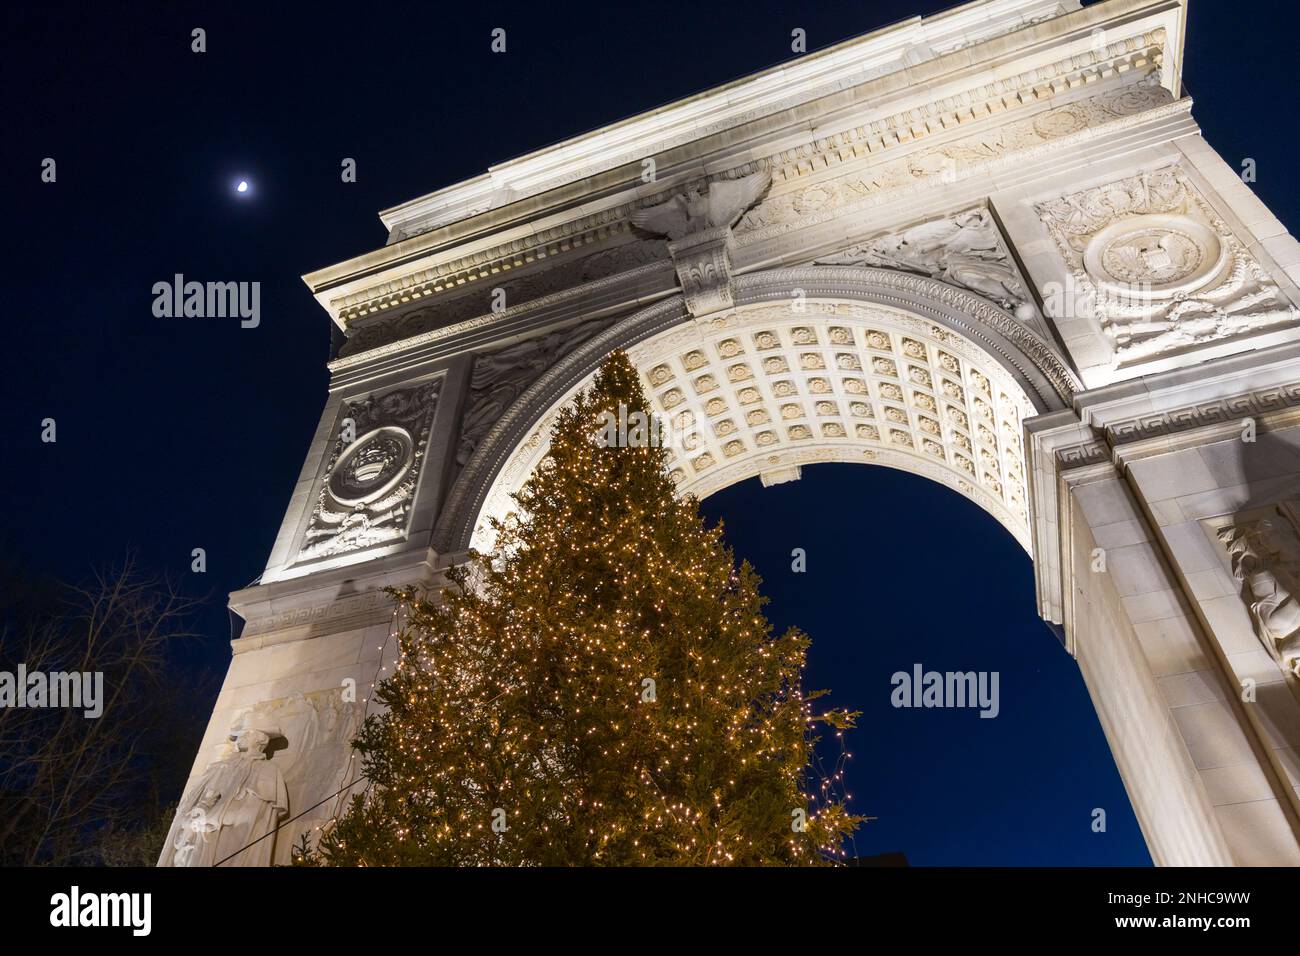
<point>1037,147</point>
<point>806,342</point>
<point>1068,504</point>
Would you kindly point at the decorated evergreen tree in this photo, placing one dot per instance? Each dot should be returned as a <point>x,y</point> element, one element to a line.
<point>604,689</point>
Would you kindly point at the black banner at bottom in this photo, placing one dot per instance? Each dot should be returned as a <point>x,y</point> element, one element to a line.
<point>342,907</point>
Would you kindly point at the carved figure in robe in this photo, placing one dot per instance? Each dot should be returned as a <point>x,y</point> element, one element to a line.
<point>1274,609</point>
<point>232,808</point>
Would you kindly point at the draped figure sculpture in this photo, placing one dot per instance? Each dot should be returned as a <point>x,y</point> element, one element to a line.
<point>233,809</point>
<point>1274,608</point>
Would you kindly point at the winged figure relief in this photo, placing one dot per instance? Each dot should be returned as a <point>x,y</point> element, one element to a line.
<point>724,201</point>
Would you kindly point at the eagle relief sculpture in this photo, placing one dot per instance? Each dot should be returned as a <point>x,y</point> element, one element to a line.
<point>692,211</point>
<point>698,226</point>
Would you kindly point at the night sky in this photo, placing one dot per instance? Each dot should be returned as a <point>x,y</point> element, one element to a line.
<point>182,433</point>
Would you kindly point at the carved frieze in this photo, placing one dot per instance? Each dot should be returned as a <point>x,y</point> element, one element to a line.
<point>965,250</point>
<point>452,308</point>
<point>1137,53</point>
<point>372,473</point>
<point>1265,559</point>
<point>872,178</point>
<point>1015,141</point>
<point>1162,272</point>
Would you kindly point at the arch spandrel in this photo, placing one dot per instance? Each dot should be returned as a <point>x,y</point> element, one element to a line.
<point>811,365</point>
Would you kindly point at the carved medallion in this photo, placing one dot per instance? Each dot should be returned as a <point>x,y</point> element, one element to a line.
<point>372,465</point>
<point>369,485</point>
<point>1060,122</point>
<point>1162,271</point>
<point>1154,256</point>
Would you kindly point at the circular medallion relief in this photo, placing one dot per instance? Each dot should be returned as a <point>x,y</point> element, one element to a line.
<point>1060,122</point>
<point>1136,100</point>
<point>1154,257</point>
<point>371,466</point>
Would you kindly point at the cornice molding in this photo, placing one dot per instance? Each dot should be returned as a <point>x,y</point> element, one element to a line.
<point>493,318</point>
<point>1230,410</point>
<point>944,39</point>
<point>753,236</point>
<point>1113,440</point>
<point>1140,52</point>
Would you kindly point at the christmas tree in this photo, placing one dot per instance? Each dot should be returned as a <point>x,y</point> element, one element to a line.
<point>603,689</point>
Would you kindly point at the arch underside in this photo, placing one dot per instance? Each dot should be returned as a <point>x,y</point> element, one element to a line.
<point>811,365</point>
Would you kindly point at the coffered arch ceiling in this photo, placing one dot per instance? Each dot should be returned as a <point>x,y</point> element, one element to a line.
<point>812,364</point>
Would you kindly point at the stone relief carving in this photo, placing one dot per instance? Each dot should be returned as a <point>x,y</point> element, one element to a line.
<point>525,288</point>
<point>699,225</point>
<point>1138,51</point>
<point>1163,271</point>
<point>1265,557</point>
<point>500,377</point>
<point>1015,141</point>
<point>692,211</point>
<point>234,808</point>
<point>965,250</point>
<point>370,482</point>
<point>312,758</point>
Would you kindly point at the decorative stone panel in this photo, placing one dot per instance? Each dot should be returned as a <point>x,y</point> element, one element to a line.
<point>369,482</point>
<point>1160,270</point>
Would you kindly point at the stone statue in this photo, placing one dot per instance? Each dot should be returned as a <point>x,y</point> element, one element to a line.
<point>698,226</point>
<point>240,798</point>
<point>1274,610</point>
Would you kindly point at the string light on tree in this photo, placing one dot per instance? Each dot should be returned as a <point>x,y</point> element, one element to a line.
<point>516,730</point>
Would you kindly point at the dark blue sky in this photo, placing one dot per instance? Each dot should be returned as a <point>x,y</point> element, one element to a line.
<point>903,571</point>
<point>176,434</point>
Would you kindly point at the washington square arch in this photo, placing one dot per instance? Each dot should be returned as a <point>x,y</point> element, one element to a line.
<point>988,247</point>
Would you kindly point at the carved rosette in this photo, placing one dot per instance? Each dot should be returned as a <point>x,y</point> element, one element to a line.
<point>703,263</point>
<point>369,484</point>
